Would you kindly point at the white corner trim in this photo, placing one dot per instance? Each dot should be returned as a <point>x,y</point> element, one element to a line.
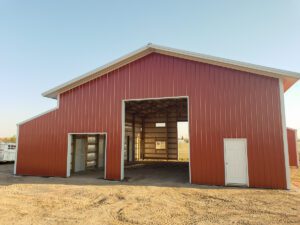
<point>123,139</point>
<point>189,145</point>
<point>284,132</point>
<point>105,154</point>
<point>16,156</point>
<point>69,155</point>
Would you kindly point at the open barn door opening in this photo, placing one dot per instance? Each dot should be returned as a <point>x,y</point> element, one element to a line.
<point>86,154</point>
<point>156,139</point>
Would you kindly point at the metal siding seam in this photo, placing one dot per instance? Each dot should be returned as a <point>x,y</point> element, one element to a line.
<point>214,137</point>
<point>197,142</point>
<point>274,136</point>
<point>253,148</point>
<point>222,127</point>
<point>258,170</point>
<point>260,137</point>
<point>269,132</point>
<point>268,150</point>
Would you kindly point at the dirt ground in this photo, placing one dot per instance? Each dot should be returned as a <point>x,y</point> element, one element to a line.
<point>143,200</point>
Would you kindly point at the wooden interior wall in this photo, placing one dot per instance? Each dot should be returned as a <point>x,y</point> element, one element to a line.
<point>91,149</point>
<point>128,133</point>
<point>146,133</point>
<point>167,134</point>
<point>137,137</point>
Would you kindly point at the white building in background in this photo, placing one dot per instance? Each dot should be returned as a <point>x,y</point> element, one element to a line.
<point>7,152</point>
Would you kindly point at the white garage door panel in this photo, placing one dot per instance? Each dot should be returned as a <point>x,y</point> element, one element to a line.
<point>236,162</point>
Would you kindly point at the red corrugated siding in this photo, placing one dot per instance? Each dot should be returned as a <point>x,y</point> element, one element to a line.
<point>292,141</point>
<point>223,103</point>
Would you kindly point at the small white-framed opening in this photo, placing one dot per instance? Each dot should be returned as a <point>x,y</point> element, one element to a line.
<point>86,151</point>
<point>160,143</point>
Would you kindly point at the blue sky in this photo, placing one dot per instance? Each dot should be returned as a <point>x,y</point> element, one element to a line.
<point>45,43</point>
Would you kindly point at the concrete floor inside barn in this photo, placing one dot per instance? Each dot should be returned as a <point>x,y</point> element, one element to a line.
<point>158,173</point>
<point>138,173</point>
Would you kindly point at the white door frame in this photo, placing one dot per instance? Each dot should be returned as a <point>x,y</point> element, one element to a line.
<point>68,172</point>
<point>225,170</point>
<point>123,128</point>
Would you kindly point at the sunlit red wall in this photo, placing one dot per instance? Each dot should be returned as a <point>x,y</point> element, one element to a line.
<point>292,142</point>
<point>223,103</point>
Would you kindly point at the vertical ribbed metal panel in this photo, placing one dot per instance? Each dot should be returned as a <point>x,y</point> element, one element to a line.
<point>292,142</point>
<point>223,103</point>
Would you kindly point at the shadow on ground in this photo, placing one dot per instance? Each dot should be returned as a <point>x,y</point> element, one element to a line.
<point>168,174</point>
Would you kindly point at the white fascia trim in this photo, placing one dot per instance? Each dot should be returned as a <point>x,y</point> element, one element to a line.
<point>16,156</point>
<point>228,62</point>
<point>284,132</point>
<point>145,50</point>
<point>52,92</point>
<point>43,113</point>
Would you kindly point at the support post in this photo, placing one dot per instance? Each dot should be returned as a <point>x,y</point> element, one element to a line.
<point>133,137</point>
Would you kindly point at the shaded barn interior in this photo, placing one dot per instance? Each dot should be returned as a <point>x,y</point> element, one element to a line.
<point>87,152</point>
<point>151,131</point>
<point>152,146</point>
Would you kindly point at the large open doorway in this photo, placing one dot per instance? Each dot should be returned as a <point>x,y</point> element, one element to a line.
<point>86,154</point>
<point>156,139</point>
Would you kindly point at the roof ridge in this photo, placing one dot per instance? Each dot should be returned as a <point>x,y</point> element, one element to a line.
<point>292,77</point>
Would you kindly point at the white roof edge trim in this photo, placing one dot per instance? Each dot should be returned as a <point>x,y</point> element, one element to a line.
<point>229,61</point>
<point>52,93</point>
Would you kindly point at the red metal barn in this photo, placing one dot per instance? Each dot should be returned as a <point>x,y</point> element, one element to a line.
<point>235,112</point>
<point>292,142</point>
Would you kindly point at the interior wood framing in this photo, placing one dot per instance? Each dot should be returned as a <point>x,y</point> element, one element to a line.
<point>91,150</point>
<point>141,133</point>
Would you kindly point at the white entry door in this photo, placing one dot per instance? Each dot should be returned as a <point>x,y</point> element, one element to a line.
<point>80,155</point>
<point>236,162</point>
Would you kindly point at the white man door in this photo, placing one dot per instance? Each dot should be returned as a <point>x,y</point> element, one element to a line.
<point>236,162</point>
